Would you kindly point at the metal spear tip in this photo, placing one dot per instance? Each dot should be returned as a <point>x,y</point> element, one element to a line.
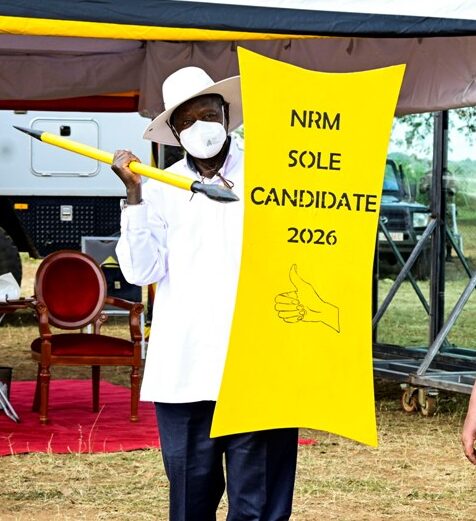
<point>33,133</point>
<point>215,192</point>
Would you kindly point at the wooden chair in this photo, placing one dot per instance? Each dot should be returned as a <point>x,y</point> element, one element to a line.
<point>70,294</point>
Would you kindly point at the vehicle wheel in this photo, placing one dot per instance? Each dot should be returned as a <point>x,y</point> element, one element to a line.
<point>9,257</point>
<point>422,266</point>
<point>409,400</point>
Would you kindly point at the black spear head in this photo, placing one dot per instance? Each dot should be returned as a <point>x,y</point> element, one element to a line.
<point>33,133</point>
<point>215,192</point>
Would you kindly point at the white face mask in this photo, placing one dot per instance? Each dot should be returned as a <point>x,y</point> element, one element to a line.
<point>204,139</point>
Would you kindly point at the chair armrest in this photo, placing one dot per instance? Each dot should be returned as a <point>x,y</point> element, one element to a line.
<point>120,303</point>
<point>135,309</point>
<point>43,322</point>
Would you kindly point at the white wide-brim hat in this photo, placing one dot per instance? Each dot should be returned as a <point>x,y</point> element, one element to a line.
<point>188,83</point>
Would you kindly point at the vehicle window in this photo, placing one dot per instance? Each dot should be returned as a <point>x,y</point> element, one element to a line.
<point>390,182</point>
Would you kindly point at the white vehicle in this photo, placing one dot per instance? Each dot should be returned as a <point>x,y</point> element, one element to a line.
<point>49,197</point>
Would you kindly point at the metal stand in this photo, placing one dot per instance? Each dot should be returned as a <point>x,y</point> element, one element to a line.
<point>7,406</point>
<point>422,372</point>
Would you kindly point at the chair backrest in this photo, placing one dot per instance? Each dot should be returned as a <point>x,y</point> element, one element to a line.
<point>72,286</point>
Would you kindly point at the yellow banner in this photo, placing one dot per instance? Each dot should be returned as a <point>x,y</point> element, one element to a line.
<point>300,351</point>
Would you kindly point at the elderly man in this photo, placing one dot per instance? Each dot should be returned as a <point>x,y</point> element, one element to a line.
<point>191,246</point>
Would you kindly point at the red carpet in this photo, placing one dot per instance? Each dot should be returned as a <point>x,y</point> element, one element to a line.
<point>73,426</point>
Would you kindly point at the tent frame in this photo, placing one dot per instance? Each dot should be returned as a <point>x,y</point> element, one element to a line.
<point>441,367</point>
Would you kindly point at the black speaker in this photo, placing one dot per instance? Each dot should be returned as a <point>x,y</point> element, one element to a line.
<point>103,251</point>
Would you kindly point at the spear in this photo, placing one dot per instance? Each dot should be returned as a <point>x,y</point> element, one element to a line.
<point>215,192</point>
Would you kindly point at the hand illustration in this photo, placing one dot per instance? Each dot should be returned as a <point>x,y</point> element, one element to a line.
<point>304,304</point>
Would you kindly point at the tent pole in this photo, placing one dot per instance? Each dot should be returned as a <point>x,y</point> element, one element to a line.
<point>375,279</point>
<point>438,211</point>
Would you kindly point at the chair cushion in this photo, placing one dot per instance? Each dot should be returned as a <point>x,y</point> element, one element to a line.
<point>84,344</point>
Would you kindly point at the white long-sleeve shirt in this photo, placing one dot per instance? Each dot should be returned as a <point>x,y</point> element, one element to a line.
<point>191,246</point>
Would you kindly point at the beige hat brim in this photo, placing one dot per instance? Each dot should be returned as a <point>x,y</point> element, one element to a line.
<point>230,89</point>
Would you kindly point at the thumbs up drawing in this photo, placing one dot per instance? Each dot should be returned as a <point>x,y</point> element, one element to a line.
<point>304,304</point>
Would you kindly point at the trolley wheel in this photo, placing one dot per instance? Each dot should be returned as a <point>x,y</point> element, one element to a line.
<point>428,406</point>
<point>409,400</point>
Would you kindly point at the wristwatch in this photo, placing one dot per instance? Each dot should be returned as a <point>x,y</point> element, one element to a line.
<point>125,204</point>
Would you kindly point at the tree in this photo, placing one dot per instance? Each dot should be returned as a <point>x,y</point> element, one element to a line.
<point>418,128</point>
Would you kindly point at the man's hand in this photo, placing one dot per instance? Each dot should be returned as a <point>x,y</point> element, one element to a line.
<point>304,304</point>
<point>133,182</point>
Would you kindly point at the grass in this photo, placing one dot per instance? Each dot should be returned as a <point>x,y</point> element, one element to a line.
<point>417,472</point>
<point>406,322</point>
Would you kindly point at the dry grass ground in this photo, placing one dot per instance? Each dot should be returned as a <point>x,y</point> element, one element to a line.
<point>417,472</point>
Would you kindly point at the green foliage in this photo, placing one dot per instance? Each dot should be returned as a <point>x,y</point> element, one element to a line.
<point>417,129</point>
<point>465,121</point>
<point>416,160</point>
<point>418,134</point>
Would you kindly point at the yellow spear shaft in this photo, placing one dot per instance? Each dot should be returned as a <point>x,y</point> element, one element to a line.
<point>214,192</point>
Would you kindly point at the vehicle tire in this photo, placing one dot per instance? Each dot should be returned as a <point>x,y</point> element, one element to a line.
<point>9,257</point>
<point>422,266</point>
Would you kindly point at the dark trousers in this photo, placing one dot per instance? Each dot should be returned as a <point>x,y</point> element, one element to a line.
<point>260,467</point>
